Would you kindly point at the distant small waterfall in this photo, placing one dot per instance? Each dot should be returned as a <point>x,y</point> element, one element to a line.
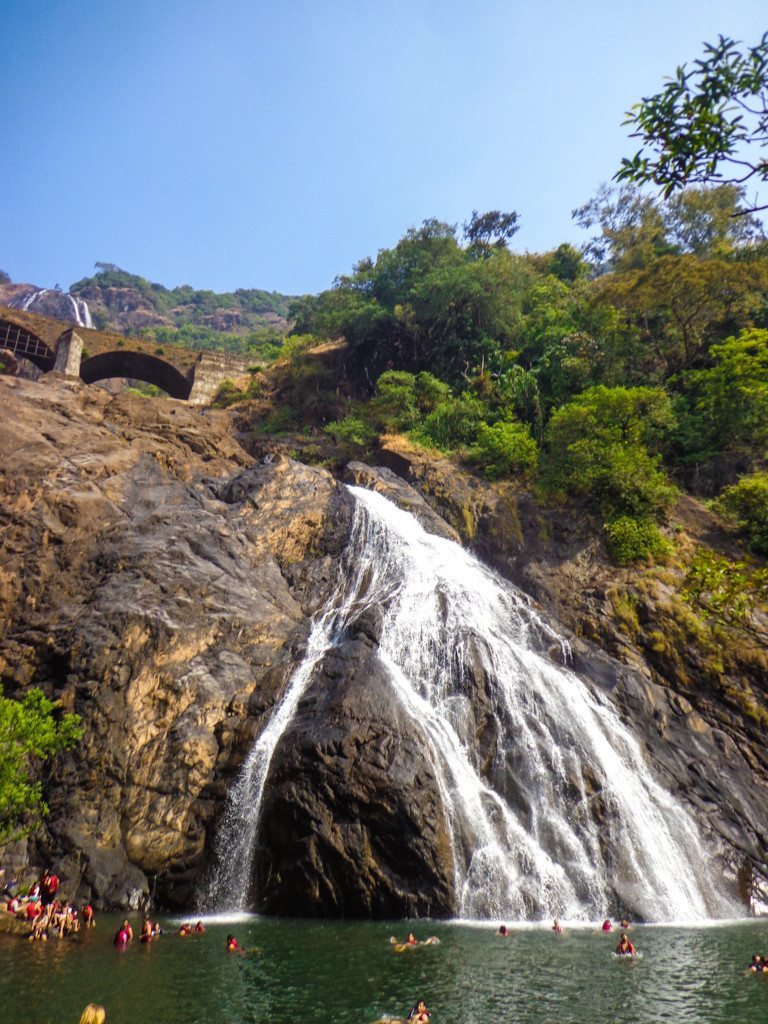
<point>53,303</point>
<point>568,821</point>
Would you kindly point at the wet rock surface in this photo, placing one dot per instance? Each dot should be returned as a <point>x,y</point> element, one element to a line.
<point>352,824</point>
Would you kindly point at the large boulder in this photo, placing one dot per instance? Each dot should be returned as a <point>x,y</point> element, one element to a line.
<point>353,824</point>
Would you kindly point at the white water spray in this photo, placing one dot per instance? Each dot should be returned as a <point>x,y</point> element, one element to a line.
<point>80,313</point>
<point>564,817</point>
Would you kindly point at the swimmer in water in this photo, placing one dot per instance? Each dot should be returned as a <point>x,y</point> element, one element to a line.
<point>93,1014</point>
<point>184,931</point>
<point>503,931</point>
<point>419,1013</point>
<point>199,928</point>
<point>625,947</point>
<point>233,946</point>
<point>625,923</point>
<point>146,931</point>
<point>607,926</point>
<point>557,927</point>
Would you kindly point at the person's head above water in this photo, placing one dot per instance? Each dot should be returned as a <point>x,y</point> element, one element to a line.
<point>93,1014</point>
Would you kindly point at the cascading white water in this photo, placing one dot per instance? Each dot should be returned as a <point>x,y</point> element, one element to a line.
<point>565,819</point>
<point>52,306</point>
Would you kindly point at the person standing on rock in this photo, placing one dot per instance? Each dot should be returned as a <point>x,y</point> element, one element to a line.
<point>49,885</point>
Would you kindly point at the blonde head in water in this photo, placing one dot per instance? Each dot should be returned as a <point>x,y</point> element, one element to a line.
<point>93,1014</point>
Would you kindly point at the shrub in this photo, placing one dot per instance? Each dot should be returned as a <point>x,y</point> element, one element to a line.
<point>599,449</point>
<point>280,421</point>
<point>229,393</point>
<point>630,540</point>
<point>430,392</point>
<point>504,449</point>
<point>453,423</point>
<point>395,401</point>
<point>351,430</point>
<point>746,504</point>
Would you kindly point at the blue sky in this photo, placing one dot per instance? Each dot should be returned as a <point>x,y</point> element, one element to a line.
<point>272,144</point>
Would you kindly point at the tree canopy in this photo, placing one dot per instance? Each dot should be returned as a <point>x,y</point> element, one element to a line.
<point>709,123</point>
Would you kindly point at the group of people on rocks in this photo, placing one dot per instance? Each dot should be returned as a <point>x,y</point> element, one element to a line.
<point>45,911</point>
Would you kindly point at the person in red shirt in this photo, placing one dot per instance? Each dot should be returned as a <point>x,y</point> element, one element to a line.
<point>33,911</point>
<point>49,885</point>
<point>607,926</point>
<point>625,947</point>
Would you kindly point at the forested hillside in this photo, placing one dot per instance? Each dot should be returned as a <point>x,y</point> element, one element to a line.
<point>247,320</point>
<point>616,376</point>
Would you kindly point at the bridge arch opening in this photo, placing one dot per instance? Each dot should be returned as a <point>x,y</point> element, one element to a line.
<point>138,366</point>
<point>25,345</point>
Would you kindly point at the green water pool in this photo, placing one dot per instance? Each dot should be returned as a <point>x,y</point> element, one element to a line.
<point>348,973</point>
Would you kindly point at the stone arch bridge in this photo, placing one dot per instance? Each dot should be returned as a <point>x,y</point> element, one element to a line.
<point>91,356</point>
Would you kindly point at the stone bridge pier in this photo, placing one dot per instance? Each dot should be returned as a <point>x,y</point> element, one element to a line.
<point>198,385</point>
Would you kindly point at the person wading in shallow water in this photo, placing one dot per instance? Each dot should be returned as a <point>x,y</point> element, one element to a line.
<point>419,1013</point>
<point>625,947</point>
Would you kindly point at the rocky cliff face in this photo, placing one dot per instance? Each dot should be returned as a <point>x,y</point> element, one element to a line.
<point>160,582</point>
<point>156,605</point>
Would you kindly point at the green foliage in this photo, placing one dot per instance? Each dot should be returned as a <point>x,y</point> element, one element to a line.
<point>631,227</point>
<point>192,313</point>
<point>29,736</point>
<point>632,539</point>
<point>730,398</point>
<point>728,593</point>
<point>635,228</point>
<point>601,447</point>
<point>426,305</point>
<point>700,127</point>
<point>494,229</point>
<point>296,346</point>
<point>504,449</point>
<point>567,264</point>
<point>352,431</point>
<point>746,504</point>
<point>453,423</point>
<point>140,387</point>
<point>229,393</point>
<point>682,304</point>
<point>280,421</point>
<point>395,404</point>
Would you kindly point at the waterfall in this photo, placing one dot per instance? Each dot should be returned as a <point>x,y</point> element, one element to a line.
<point>63,305</point>
<point>566,819</point>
